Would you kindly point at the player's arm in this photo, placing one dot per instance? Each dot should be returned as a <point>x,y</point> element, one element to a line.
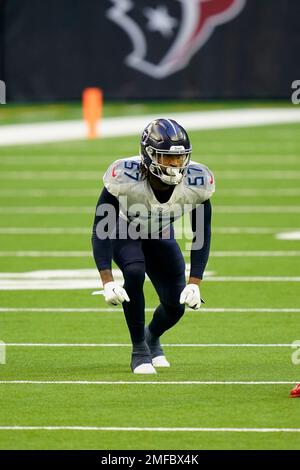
<point>199,256</point>
<point>107,211</point>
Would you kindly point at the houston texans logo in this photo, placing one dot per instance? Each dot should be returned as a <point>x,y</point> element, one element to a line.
<point>184,30</point>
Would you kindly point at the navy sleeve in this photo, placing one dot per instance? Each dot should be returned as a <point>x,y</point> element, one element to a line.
<point>199,257</point>
<point>102,248</point>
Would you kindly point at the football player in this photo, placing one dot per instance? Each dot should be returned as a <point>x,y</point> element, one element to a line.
<point>147,193</point>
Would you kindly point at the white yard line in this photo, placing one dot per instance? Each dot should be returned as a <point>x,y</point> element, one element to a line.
<point>215,160</point>
<point>132,382</point>
<point>64,160</point>
<point>255,254</point>
<point>293,235</point>
<point>240,209</point>
<point>148,309</point>
<point>58,175</point>
<point>46,231</point>
<point>147,429</point>
<point>40,193</point>
<point>47,210</point>
<point>78,284</point>
<point>250,230</point>
<point>31,194</point>
<point>88,278</point>
<point>50,175</point>
<point>253,279</point>
<point>80,193</point>
<point>254,192</point>
<point>221,161</point>
<point>257,175</point>
<point>46,254</point>
<point>127,345</point>
<point>88,254</point>
<point>132,125</point>
<point>221,209</point>
<point>87,230</point>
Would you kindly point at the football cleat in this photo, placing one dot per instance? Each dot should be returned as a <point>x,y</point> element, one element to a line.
<point>158,357</point>
<point>141,361</point>
<point>160,361</point>
<point>295,392</point>
<point>144,369</point>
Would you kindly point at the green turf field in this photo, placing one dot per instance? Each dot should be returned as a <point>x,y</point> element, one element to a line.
<point>55,187</point>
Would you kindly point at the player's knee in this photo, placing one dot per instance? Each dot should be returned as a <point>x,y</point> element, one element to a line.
<point>134,273</point>
<point>175,311</point>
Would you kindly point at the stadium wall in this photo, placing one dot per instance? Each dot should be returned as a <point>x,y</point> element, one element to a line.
<point>50,50</point>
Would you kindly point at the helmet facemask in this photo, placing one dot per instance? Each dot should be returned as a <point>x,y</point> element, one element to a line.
<point>160,163</point>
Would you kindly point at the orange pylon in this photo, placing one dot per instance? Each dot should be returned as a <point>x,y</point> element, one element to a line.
<point>92,103</point>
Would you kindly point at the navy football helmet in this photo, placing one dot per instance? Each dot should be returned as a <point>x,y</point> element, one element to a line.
<point>166,150</point>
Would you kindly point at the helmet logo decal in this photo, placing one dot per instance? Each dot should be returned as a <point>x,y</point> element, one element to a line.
<point>177,148</point>
<point>184,34</point>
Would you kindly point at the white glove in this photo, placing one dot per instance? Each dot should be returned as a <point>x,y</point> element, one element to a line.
<point>115,294</point>
<point>191,296</point>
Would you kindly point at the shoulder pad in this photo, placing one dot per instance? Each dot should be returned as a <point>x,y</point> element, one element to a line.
<point>199,178</point>
<point>122,172</point>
